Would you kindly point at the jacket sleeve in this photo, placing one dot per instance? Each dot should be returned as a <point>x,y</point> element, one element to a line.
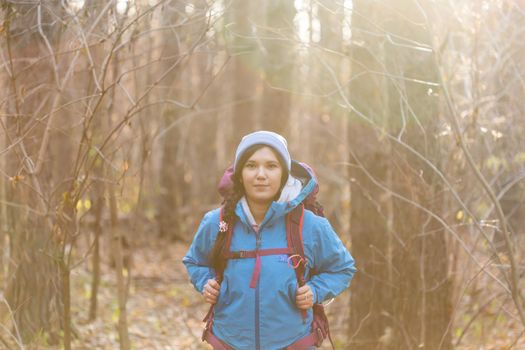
<point>333,265</point>
<point>196,259</point>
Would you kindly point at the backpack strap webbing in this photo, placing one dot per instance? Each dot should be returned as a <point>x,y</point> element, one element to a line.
<point>294,235</point>
<point>243,254</point>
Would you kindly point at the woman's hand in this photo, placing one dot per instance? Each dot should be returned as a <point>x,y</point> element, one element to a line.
<point>211,291</point>
<point>304,299</point>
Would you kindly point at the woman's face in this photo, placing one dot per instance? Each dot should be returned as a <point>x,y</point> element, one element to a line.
<point>261,176</point>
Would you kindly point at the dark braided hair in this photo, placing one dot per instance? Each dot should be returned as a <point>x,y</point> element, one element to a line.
<point>230,203</point>
<point>229,216</point>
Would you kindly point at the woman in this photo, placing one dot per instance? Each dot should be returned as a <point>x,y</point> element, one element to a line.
<point>257,302</point>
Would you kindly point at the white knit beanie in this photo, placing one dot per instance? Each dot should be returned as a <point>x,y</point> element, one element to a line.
<point>268,138</point>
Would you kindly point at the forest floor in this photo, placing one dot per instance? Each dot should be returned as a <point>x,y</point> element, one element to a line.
<point>165,312</point>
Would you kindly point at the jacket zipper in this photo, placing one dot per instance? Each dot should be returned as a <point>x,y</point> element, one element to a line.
<point>257,310</point>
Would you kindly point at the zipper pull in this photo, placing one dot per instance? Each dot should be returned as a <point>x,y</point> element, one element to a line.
<point>257,237</point>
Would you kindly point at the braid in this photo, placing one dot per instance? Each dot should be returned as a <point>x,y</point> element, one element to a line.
<point>228,215</point>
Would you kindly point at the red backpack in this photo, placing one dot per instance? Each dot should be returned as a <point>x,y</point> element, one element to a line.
<point>295,252</point>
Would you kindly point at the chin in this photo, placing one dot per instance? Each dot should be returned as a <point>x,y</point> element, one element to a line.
<point>262,199</point>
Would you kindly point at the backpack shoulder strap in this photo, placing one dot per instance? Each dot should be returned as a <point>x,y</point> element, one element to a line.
<point>294,235</point>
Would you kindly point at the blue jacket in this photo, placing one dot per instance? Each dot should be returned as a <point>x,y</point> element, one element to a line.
<point>266,317</point>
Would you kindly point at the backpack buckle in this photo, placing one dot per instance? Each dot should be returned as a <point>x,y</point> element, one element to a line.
<point>242,254</point>
<point>294,264</point>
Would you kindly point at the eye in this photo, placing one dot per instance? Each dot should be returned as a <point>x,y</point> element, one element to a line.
<point>273,165</point>
<point>249,165</point>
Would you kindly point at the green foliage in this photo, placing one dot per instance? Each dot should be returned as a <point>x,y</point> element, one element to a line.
<point>494,164</point>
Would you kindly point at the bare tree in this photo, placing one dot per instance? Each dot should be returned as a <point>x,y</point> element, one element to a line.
<point>479,73</point>
<point>55,148</point>
<point>35,240</point>
<point>402,297</point>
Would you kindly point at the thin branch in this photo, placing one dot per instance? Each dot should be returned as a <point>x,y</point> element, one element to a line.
<point>47,43</point>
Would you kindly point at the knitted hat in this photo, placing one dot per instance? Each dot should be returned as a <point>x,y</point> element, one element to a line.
<point>268,138</point>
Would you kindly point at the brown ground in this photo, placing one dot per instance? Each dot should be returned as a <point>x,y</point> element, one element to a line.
<point>165,312</point>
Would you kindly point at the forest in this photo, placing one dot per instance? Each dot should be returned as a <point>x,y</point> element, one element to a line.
<point>119,117</point>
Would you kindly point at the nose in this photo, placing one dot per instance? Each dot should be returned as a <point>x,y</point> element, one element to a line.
<point>261,173</point>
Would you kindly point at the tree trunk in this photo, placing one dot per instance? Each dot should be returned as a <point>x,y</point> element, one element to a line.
<point>277,62</point>
<point>34,242</point>
<point>122,286</point>
<point>243,65</point>
<point>173,193</point>
<point>33,269</point>
<point>401,297</point>
<point>329,141</point>
<point>98,204</point>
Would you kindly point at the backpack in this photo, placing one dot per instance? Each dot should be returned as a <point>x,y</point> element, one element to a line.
<point>295,251</point>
